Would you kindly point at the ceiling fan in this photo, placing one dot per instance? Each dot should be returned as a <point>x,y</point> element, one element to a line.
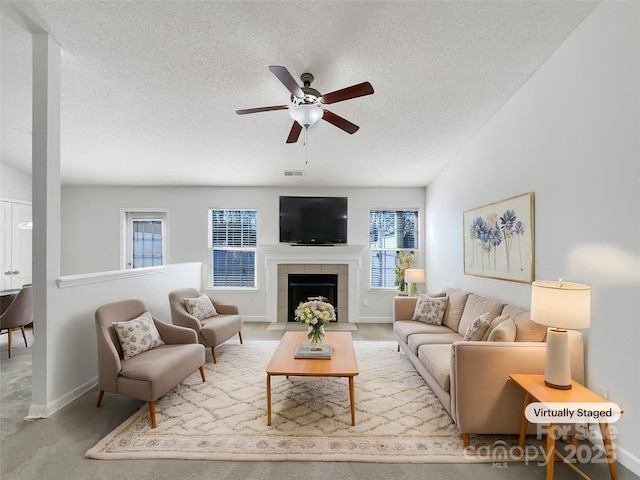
<point>306,103</point>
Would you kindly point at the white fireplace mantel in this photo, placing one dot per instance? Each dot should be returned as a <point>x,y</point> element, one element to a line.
<point>350,255</point>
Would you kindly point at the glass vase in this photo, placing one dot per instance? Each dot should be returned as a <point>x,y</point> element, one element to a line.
<point>315,334</point>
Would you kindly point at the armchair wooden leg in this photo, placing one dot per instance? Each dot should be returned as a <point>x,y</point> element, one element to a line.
<point>465,439</point>
<point>152,413</point>
<point>9,341</point>
<point>100,395</point>
<point>240,335</point>
<point>398,347</point>
<point>24,335</point>
<point>213,353</point>
<point>202,374</point>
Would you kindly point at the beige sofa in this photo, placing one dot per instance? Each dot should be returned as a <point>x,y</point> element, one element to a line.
<point>471,378</point>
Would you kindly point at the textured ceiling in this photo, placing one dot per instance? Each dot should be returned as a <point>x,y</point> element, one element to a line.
<point>150,88</point>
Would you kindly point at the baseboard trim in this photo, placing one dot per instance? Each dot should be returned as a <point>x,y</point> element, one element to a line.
<point>629,460</point>
<point>37,411</point>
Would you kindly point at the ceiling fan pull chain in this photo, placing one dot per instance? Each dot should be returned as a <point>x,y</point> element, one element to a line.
<point>306,147</point>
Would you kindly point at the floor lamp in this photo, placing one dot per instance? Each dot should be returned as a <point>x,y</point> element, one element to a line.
<point>560,306</point>
<point>413,276</point>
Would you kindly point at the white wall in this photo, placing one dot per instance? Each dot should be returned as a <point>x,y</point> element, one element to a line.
<point>572,136</point>
<point>14,184</point>
<point>72,360</point>
<point>91,231</point>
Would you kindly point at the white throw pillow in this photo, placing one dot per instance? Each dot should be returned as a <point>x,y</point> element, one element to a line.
<point>200,307</point>
<point>137,335</point>
<point>505,332</point>
<point>429,309</point>
<point>494,323</point>
<point>476,330</point>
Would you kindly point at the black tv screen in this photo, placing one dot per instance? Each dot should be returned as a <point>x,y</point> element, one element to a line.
<point>313,220</point>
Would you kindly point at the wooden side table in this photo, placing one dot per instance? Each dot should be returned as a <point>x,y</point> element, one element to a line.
<point>536,390</point>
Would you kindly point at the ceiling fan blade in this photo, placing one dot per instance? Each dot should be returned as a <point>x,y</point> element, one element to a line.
<point>285,77</point>
<point>348,93</point>
<point>340,122</point>
<point>294,134</point>
<point>261,109</point>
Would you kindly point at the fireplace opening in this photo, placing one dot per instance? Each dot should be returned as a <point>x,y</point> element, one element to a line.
<point>302,286</point>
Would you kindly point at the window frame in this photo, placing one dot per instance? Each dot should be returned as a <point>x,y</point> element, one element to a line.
<point>127,216</point>
<point>211,249</point>
<point>415,251</point>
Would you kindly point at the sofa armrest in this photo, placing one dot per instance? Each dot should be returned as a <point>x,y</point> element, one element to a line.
<point>173,334</point>
<point>484,399</point>
<point>224,309</point>
<point>403,307</point>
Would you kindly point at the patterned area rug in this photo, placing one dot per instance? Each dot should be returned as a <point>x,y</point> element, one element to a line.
<point>398,418</point>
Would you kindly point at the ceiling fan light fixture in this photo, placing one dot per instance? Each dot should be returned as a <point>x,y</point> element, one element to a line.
<point>306,114</point>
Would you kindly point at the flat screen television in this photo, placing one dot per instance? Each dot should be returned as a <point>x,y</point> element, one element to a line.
<point>313,220</point>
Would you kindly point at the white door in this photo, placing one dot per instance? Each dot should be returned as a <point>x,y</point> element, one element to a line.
<point>146,239</point>
<point>15,252</point>
<point>5,250</point>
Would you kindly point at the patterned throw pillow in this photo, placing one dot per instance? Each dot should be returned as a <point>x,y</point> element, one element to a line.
<point>430,309</point>
<point>505,332</point>
<point>137,335</point>
<point>476,330</point>
<point>200,307</point>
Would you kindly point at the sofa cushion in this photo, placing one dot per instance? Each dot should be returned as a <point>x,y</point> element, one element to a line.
<point>477,328</point>
<point>137,335</point>
<point>429,310</point>
<point>416,340</point>
<point>220,328</point>
<point>405,328</point>
<point>476,306</point>
<point>494,323</point>
<point>200,307</point>
<point>455,307</point>
<point>437,361</point>
<point>505,332</point>
<point>526,329</point>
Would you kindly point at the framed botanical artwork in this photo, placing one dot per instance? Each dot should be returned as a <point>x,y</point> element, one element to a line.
<point>498,240</point>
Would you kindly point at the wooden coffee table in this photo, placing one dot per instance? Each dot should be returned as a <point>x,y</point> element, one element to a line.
<point>342,363</point>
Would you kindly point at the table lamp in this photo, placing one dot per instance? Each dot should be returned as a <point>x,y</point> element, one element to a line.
<point>413,276</point>
<point>559,305</point>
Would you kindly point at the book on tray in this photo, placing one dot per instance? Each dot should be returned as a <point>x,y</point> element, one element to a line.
<point>309,350</point>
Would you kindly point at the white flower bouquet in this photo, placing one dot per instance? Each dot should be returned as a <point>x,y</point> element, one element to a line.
<point>315,314</point>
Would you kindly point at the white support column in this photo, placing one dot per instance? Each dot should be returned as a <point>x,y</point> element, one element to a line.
<point>46,213</point>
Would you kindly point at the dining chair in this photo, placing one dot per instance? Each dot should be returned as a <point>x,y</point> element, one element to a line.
<point>18,314</point>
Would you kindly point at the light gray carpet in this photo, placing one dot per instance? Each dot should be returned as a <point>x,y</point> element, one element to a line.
<point>398,418</point>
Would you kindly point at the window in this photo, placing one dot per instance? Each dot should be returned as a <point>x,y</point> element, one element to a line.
<point>232,248</point>
<point>145,239</point>
<point>389,232</point>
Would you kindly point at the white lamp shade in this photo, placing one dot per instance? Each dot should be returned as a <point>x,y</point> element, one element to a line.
<point>561,304</point>
<point>414,275</point>
<point>306,115</point>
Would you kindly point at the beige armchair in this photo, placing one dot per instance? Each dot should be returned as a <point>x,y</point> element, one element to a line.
<point>153,373</point>
<point>18,315</point>
<point>212,331</point>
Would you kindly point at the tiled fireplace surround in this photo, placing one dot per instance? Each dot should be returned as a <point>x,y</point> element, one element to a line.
<point>284,270</point>
<point>344,261</point>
